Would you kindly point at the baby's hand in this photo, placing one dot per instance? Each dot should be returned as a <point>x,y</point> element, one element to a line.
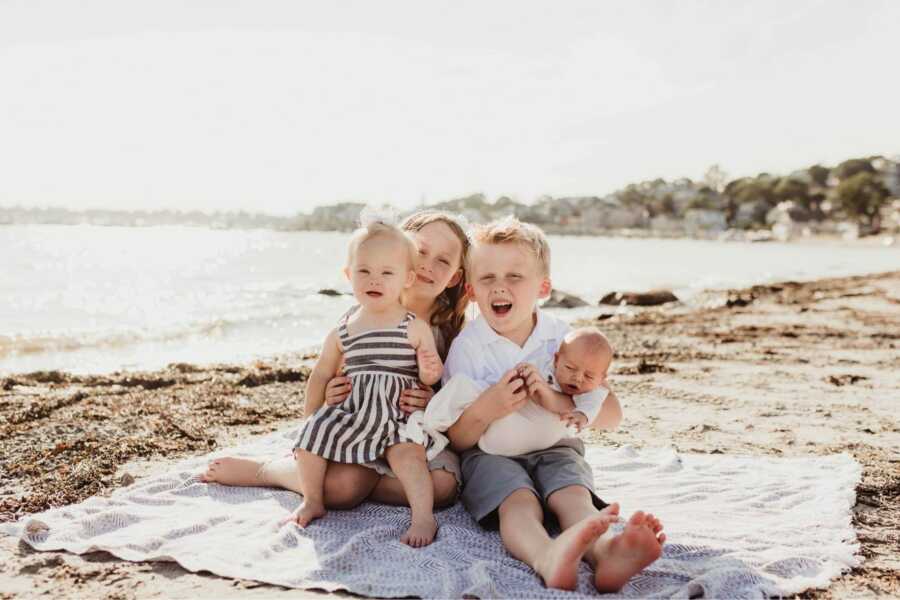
<point>430,367</point>
<point>538,388</point>
<point>576,418</point>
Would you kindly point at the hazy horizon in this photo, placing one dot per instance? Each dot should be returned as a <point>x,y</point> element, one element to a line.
<point>278,107</point>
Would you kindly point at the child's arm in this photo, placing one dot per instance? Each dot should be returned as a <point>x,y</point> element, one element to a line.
<point>421,338</point>
<point>323,371</point>
<point>540,390</point>
<point>506,396</point>
<point>595,408</point>
<point>493,402</point>
<point>610,414</point>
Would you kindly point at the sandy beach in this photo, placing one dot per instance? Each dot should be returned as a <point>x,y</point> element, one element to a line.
<point>783,369</point>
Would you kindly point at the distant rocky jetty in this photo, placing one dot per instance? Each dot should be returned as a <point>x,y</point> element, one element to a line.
<point>857,197</point>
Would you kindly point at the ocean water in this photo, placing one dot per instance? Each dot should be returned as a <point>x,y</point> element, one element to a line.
<point>90,299</point>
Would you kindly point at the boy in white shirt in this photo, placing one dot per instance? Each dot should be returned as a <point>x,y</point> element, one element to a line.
<point>509,267</point>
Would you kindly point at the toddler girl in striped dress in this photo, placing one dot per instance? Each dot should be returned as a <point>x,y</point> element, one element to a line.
<point>385,350</point>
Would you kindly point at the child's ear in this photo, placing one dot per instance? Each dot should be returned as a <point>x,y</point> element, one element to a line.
<point>347,273</point>
<point>555,359</point>
<point>455,279</point>
<point>470,291</point>
<point>410,278</point>
<point>545,288</point>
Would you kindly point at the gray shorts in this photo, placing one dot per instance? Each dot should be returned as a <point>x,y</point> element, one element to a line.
<point>446,460</point>
<point>489,478</point>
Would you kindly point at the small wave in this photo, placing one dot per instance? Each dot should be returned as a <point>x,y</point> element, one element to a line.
<point>17,345</point>
<point>257,326</point>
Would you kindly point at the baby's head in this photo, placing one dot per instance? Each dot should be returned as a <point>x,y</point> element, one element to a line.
<point>380,264</point>
<point>509,270</point>
<point>582,361</point>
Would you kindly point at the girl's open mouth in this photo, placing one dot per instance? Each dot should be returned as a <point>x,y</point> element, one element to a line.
<point>501,308</point>
<point>424,279</point>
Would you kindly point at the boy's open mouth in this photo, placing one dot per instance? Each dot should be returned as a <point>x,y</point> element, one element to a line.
<point>374,294</point>
<point>501,308</point>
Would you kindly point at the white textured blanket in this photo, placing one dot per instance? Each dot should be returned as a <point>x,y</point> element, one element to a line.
<point>738,527</point>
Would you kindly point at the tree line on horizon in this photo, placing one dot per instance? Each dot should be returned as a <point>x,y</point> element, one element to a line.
<point>856,189</point>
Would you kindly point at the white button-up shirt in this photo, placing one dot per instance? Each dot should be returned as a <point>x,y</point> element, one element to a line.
<point>484,356</point>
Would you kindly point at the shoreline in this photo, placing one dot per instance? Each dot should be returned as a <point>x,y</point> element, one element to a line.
<point>728,235</point>
<point>788,368</point>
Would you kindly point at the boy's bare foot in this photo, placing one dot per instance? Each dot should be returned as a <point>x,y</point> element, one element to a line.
<point>558,566</point>
<point>232,471</point>
<point>306,514</point>
<point>420,533</point>
<point>629,552</point>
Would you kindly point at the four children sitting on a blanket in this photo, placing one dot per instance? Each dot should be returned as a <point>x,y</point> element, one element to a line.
<point>515,381</point>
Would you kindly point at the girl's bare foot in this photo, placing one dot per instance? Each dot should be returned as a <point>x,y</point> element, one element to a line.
<point>629,552</point>
<point>558,566</point>
<point>232,471</point>
<point>306,514</point>
<point>420,533</point>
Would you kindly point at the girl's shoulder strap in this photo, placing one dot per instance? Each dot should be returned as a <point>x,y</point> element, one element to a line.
<point>407,319</point>
<point>343,333</point>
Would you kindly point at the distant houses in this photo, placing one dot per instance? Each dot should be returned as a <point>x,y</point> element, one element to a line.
<point>862,191</point>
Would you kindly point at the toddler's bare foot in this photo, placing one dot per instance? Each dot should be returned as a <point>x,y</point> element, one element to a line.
<point>420,533</point>
<point>558,566</point>
<point>306,514</point>
<point>629,552</point>
<point>232,471</point>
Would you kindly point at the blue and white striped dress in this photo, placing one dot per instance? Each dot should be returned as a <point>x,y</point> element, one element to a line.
<point>381,363</point>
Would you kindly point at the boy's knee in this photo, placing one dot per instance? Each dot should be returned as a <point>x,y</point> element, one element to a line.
<point>520,500</point>
<point>568,495</point>
<point>445,488</point>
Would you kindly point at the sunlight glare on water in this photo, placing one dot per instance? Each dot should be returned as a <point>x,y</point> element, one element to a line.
<point>95,299</point>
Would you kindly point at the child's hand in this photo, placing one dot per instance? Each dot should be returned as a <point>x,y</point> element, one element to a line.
<point>337,390</point>
<point>504,397</point>
<point>430,366</point>
<point>538,388</point>
<point>575,418</point>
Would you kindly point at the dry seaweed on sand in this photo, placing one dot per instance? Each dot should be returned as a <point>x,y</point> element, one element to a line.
<point>64,437</point>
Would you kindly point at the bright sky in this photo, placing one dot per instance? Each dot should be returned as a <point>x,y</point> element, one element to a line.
<point>278,106</point>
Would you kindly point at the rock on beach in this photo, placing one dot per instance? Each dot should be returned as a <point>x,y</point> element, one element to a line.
<point>561,299</point>
<point>652,298</point>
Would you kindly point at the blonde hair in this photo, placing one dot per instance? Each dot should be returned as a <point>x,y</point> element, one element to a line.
<point>510,230</point>
<point>450,315</point>
<point>380,229</point>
